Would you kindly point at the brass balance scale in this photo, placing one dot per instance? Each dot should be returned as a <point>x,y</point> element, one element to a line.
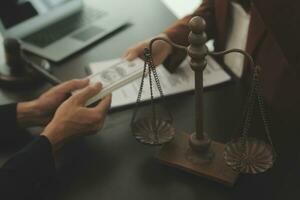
<point>196,152</point>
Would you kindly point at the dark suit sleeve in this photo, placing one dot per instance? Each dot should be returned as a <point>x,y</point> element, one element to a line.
<point>9,127</point>
<point>27,172</point>
<point>10,132</point>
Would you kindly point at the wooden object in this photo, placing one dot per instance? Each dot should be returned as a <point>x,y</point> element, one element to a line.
<point>19,71</point>
<point>179,154</point>
<point>197,153</point>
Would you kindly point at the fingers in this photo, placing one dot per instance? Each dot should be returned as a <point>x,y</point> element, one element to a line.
<point>126,53</point>
<point>83,96</point>
<point>135,51</point>
<point>131,55</point>
<point>98,113</point>
<point>72,85</point>
<point>104,105</point>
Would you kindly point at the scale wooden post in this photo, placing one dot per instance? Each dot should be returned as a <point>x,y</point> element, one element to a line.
<point>195,152</point>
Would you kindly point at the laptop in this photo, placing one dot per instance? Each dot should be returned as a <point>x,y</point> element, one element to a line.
<point>55,29</point>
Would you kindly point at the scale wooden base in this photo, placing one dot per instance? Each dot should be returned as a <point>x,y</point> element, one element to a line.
<point>178,153</point>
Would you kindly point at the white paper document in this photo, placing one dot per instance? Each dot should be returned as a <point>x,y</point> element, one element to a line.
<point>113,72</point>
<point>181,8</point>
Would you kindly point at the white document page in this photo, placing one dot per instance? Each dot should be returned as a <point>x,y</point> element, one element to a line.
<point>181,8</point>
<point>180,81</point>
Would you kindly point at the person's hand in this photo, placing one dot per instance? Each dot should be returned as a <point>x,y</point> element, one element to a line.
<point>73,119</point>
<point>160,50</point>
<point>40,111</point>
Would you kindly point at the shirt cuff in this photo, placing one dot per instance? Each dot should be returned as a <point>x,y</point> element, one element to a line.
<point>11,133</point>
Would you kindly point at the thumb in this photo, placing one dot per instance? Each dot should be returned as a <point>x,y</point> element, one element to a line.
<point>130,56</point>
<point>84,95</point>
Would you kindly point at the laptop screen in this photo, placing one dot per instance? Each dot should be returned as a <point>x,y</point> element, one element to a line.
<point>13,12</point>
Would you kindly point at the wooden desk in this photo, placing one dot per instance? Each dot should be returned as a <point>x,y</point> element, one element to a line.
<point>112,165</point>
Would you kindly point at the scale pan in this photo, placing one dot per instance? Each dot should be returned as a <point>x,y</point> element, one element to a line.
<point>148,132</point>
<point>252,157</point>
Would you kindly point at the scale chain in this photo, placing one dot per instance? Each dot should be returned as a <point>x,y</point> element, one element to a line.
<point>148,63</point>
<point>150,58</point>
<point>255,93</point>
<point>263,112</point>
<point>249,111</point>
<point>139,97</point>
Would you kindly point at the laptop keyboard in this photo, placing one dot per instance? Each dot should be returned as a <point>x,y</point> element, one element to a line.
<point>56,31</point>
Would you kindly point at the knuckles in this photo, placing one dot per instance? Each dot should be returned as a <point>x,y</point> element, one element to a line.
<point>97,118</point>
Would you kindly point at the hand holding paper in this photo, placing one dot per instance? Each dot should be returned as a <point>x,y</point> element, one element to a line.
<point>122,79</point>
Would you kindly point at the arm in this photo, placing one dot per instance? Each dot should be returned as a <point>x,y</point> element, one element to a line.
<point>8,122</point>
<point>178,33</point>
<point>27,172</point>
<point>14,117</point>
<point>17,116</point>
